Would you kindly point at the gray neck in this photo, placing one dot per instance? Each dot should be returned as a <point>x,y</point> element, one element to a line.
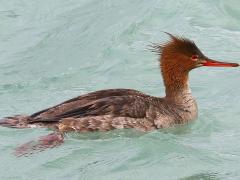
<point>182,105</point>
<point>177,87</point>
<point>181,95</point>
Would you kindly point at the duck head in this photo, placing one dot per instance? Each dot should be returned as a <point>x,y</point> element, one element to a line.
<point>178,56</point>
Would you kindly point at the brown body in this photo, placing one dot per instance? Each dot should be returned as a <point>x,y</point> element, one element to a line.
<point>113,109</point>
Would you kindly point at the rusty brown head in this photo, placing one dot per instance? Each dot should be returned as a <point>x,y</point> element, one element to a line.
<point>183,54</point>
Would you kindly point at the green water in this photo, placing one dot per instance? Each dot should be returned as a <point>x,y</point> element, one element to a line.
<point>51,51</point>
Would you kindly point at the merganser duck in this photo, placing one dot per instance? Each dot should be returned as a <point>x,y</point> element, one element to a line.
<point>110,109</point>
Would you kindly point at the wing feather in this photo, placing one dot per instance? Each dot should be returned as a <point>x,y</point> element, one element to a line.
<point>115,102</point>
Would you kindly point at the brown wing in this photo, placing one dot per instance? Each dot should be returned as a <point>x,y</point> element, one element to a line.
<point>117,102</point>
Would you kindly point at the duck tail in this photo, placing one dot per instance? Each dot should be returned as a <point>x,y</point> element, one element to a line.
<point>19,121</point>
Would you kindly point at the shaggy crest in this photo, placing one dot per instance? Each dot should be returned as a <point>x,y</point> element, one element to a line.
<point>177,45</point>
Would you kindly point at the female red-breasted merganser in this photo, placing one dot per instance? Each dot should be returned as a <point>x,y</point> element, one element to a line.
<point>109,109</point>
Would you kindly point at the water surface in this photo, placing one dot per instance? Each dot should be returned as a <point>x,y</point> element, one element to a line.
<point>51,51</point>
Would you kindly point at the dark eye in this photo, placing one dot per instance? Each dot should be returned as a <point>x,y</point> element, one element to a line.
<point>194,57</point>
